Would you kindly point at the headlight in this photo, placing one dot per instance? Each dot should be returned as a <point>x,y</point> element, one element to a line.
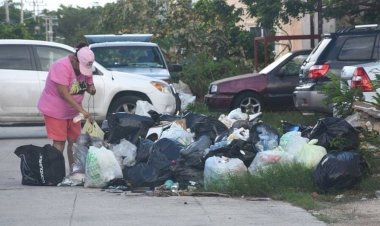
<point>162,87</point>
<point>213,88</point>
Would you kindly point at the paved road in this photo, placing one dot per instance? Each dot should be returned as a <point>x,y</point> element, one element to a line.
<point>28,205</point>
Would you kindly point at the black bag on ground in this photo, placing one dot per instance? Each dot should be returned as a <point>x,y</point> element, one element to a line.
<point>335,134</point>
<point>204,125</point>
<point>339,170</point>
<point>41,165</point>
<point>128,126</point>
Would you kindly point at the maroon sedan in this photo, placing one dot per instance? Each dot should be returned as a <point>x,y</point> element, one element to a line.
<point>271,88</point>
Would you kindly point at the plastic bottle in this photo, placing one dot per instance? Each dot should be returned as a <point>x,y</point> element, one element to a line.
<point>175,187</point>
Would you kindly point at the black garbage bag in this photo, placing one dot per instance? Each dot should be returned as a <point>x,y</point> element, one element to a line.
<point>128,126</point>
<point>142,175</point>
<point>204,125</point>
<point>193,155</point>
<point>41,165</point>
<point>263,136</point>
<point>170,148</point>
<point>158,168</point>
<point>243,150</point>
<point>143,150</point>
<point>339,170</point>
<point>335,134</point>
<point>186,175</point>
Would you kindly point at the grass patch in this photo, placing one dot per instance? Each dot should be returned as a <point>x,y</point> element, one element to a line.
<point>289,182</point>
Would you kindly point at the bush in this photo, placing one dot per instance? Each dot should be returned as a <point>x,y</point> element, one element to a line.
<point>339,94</point>
<point>199,71</point>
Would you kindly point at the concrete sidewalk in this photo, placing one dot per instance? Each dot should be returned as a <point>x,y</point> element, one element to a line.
<point>28,205</point>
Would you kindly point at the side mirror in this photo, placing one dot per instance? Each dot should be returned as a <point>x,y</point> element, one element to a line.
<point>175,67</point>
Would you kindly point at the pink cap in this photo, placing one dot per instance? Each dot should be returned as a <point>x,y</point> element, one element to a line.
<point>86,58</point>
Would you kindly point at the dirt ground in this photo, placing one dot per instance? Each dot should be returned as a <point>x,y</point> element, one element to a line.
<point>363,212</point>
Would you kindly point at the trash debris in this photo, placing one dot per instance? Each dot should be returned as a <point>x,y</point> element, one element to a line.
<point>339,170</point>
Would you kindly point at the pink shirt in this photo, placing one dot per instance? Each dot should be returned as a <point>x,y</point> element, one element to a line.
<point>51,103</point>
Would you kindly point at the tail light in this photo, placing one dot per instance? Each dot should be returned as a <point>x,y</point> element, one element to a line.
<point>361,80</point>
<point>317,71</point>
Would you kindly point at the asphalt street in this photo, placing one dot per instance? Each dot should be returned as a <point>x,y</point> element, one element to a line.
<point>38,205</point>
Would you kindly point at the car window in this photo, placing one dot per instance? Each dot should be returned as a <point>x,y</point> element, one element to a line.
<point>274,64</point>
<point>292,67</point>
<point>47,55</point>
<point>357,48</point>
<point>128,56</point>
<point>15,57</point>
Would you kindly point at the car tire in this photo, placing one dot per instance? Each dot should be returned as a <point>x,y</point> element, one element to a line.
<point>248,102</point>
<point>124,104</point>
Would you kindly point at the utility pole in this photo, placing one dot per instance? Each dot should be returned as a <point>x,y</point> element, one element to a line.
<point>21,12</point>
<point>6,6</point>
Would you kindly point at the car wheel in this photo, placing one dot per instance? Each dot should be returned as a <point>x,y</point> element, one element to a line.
<point>124,104</point>
<point>248,103</point>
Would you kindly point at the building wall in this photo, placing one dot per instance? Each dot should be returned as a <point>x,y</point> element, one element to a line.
<point>297,27</point>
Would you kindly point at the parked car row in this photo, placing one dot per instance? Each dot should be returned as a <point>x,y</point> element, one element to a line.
<point>24,66</point>
<point>295,79</point>
<point>272,87</point>
<point>351,46</point>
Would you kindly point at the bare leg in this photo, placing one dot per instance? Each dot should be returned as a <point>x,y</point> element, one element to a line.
<point>70,157</point>
<point>60,145</point>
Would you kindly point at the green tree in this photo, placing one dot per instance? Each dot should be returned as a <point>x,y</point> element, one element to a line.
<point>353,11</point>
<point>130,16</point>
<point>270,13</point>
<point>74,23</point>
<point>17,31</point>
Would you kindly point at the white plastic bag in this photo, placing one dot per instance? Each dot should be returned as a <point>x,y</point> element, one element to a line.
<point>177,133</point>
<point>219,169</point>
<point>237,114</point>
<point>142,108</point>
<point>265,159</point>
<point>292,142</point>
<point>101,167</point>
<point>125,153</point>
<point>241,134</point>
<point>186,99</point>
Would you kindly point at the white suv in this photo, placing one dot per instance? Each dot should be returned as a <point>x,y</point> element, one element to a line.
<point>24,66</point>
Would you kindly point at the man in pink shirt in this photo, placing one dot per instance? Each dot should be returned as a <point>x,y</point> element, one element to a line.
<point>61,99</point>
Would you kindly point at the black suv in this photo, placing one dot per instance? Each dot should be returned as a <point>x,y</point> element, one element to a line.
<point>356,45</point>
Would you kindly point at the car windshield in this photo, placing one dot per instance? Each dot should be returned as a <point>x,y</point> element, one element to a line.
<point>128,56</point>
<point>274,64</point>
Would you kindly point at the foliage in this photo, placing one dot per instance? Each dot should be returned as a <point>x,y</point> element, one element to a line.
<point>202,69</point>
<point>132,16</point>
<point>17,31</point>
<point>340,95</point>
<point>270,13</point>
<point>76,22</point>
<point>376,85</point>
<point>353,12</point>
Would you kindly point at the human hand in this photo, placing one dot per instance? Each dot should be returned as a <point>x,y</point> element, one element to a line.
<point>91,89</point>
<point>86,115</point>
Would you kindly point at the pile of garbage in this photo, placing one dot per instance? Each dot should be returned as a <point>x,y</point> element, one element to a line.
<point>192,151</point>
